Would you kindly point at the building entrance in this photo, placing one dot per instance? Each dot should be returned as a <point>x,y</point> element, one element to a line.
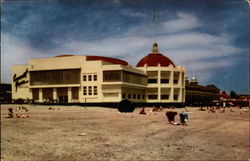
<point>63,99</point>
<point>62,94</point>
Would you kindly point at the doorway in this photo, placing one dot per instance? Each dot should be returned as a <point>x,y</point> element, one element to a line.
<point>62,94</point>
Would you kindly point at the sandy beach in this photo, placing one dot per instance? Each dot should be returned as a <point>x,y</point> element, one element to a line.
<point>97,133</point>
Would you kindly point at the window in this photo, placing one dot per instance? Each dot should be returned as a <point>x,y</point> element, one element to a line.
<point>35,94</point>
<point>134,96</point>
<point>152,97</point>
<point>95,90</point>
<point>95,77</point>
<point>134,78</point>
<point>138,96</point>
<point>90,90</point>
<point>129,96</point>
<point>164,80</point>
<point>165,96</point>
<point>152,80</point>
<point>111,76</point>
<point>175,97</point>
<point>176,77</point>
<point>84,78</point>
<point>90,77</point>
<point>124,96</point>
<point>143,96</point>
<point>84,90</point>
<point>51,77</point>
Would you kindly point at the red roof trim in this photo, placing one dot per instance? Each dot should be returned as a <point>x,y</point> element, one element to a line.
<point>63,55</point>
<point>107,59</point>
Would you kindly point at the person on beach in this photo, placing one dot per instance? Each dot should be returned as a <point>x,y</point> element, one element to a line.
<point>171,115</point>
<point>142,112</point>
<point>183,118</point>
<point>10,113</point>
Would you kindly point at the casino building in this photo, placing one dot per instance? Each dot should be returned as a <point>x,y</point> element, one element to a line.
<point>98,79</point>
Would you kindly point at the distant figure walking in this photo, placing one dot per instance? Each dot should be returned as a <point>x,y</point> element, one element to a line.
<point>183,118</point>
<point>171,115</point>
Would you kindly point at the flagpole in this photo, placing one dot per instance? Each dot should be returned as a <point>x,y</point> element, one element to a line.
<point>154,25</point>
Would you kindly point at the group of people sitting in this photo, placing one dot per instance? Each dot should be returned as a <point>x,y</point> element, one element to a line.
<point>51,108</point>
<point>214,109</point>
<point>154,109</point>
<point>18,113</point>
<point>170,115</point>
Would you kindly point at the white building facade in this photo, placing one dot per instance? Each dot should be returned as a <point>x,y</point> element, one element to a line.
<point>97,79</point>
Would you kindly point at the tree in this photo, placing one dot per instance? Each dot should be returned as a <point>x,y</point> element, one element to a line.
<point>233,94</point>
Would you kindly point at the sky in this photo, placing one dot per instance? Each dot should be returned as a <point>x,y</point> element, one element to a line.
<point>210,38</point>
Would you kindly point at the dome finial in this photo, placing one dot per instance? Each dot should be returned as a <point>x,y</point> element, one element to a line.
<point>155,49</point>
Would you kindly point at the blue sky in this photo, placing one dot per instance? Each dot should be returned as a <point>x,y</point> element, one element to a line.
<point>209,38</point>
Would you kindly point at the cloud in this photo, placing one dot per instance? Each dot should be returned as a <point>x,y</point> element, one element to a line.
<point>16,51</point>
<point>131,13</point>
<point>201,53</point>
<point>182,23</point>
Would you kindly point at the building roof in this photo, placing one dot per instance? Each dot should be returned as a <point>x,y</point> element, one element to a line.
<point>155,59</point>
<point>107,59</point>
<point>224,94</point>
<point>63,55</point>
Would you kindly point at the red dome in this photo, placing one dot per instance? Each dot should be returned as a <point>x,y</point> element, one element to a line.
<point>153,59</point>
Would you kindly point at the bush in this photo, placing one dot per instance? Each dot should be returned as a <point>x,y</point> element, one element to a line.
<point>125,106</point>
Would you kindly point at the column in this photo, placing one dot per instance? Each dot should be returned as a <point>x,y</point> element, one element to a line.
<point>40,93</point>
<point>69,94</point>
<point>159,84</point>
<point>120,95</point>
<point>54,94</point>
<point>171,82</point>
<point>171,94</point>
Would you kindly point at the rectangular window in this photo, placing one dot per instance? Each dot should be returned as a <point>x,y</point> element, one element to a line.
<point>112,76</point>
<point>129,96</point>
<point>124,96</point>
<point>134,96</point>
<point>175,81</point>
<point>95,90</point>
<point>138,96</point>
<point>35,94</point>
<point>90,77</point>
<point>95,77</point>
<point>90,90</point>
<point>175,97</point>
<point>143,96</point>
<point>134,78</point>
<point>164,97</point>
<point>163,81</point>
<point>152,97</point>
<point>84,90</point>
<point>152,80</point>
<point>84,78</point>
<point>52,77</point>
